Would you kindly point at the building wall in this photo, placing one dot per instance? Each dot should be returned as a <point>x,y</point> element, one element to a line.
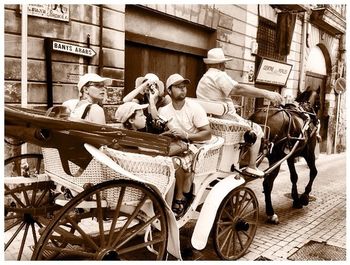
<point>66,68</point>
<point>235,28</point>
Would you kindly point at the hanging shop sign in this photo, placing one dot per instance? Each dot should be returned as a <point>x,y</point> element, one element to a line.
<point>51,11</point>
<point>70,48</point>
<point>273,72</point>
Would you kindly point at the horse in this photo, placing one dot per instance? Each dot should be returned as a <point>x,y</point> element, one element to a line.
<point>291,133</point>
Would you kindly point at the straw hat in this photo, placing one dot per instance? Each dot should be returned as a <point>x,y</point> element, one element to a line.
<point>216,55</point>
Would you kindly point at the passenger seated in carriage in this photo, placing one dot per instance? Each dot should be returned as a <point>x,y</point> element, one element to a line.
<point>188,122</point>
<point>92,91</point>
<point>150,90</point>
<point>217,85</point>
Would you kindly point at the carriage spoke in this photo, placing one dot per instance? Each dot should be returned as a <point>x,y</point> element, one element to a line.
<point>134,214</point>
<point>139,246</point>
<point>33,196</point>
<point>229,243</point>
<point>100,219</point>
<point>116,215</point>
<point>134,233</point>
<point>241,201</point>
<point>34,233</point>
<point>239,240</point>
<point>24,239</point>
<point>14,235</point>
<point>246,234</point>
<point>225,240</point>
<point>252,212</point>
<point>245,207</point>
<point>223,232</point>
<point>84,235</point>
<point>14,196</point>
<point>13,216</point>
<point>42,196</point>
<point>26,197</point>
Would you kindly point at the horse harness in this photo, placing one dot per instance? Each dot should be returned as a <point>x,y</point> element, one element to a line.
<point>308,129</point>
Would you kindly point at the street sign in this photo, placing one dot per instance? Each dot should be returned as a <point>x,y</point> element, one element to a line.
<point>340,85</point>
<point>70,48</point>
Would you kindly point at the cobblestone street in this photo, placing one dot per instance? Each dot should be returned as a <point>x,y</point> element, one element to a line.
<point>323,220</point>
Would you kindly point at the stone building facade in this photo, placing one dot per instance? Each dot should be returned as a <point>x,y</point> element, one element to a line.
<point>131,40</point>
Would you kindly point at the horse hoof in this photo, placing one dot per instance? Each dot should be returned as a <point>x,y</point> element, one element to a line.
<point>304,199</point>
<point>297,205</point>
<point>273,219</point>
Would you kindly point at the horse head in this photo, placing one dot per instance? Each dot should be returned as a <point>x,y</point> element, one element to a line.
<point>310,100</point>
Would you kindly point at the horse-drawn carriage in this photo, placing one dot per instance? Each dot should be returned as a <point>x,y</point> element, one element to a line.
<point>103,193</point>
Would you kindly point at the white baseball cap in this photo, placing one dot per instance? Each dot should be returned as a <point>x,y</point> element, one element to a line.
<point>176,79</point>
<point>91,77</point>
<point>152,77</point>
<point>125,110</point>
<point>216,55</point>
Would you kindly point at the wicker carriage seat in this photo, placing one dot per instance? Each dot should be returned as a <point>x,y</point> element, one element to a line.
<point>231,131</point>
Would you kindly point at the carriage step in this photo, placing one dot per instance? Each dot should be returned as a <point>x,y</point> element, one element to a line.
<point>244,173</point>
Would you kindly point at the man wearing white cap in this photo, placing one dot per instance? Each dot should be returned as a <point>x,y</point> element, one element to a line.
<point>92,91</point>
<point>189,122</point>
<point>217,85</point>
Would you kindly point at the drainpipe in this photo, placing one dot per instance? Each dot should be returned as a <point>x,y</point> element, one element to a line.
<point>302,55</point>
<point>100,59</point>
<point>24,65</point>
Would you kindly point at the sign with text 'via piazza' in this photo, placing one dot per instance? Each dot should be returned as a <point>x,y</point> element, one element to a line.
<point>70,48</point>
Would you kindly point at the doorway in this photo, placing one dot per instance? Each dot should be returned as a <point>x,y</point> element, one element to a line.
<point>317,81</point>
<point>141,59</point>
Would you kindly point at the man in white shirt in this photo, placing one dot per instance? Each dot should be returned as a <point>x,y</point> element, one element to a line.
<point>189,122</point>
<point>217,85</point>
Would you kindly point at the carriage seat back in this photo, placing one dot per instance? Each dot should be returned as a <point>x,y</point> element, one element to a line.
<point>212,107</point>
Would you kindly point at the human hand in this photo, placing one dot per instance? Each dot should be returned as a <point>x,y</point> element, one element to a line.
<point>275,97</point>
<point>179,133</point>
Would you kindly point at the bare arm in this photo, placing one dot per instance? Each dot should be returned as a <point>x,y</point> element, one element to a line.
<point>135,92</point>
<point>97,114</point>
<point>251,91</point>
<point>204,134</point>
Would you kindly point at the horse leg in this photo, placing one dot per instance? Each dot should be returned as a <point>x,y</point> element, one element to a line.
<point>294,180</point>
<point>310,160</point>
<point>268,185</point>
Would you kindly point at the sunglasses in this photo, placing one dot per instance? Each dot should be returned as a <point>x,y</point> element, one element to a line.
<point>96,84</point>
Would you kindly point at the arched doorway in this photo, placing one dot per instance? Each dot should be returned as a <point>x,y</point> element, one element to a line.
<point>316,77</point>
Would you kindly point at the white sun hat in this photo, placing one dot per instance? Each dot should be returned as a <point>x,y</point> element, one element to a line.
<point>216,55</point>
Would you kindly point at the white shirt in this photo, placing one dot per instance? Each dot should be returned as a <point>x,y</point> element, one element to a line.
<point>216,85</point>
<point>191,117</point>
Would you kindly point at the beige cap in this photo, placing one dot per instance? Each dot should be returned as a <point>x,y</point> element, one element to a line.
<point>125,110</point>
<point>151,77</point>
<point>216,55</point>
<point>176,79</point>
<point>91,77</point>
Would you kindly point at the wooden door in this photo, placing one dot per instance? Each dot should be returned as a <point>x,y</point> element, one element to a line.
<point>316,81</point>
<point>141,59</point>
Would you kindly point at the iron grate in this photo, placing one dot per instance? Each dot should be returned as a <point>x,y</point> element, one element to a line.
<point>319,251</point>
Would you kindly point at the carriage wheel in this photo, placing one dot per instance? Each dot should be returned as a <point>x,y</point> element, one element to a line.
<point>108,225</point>
<point>235,224</point>
<point>27,206</point>
<point>24,165</point>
